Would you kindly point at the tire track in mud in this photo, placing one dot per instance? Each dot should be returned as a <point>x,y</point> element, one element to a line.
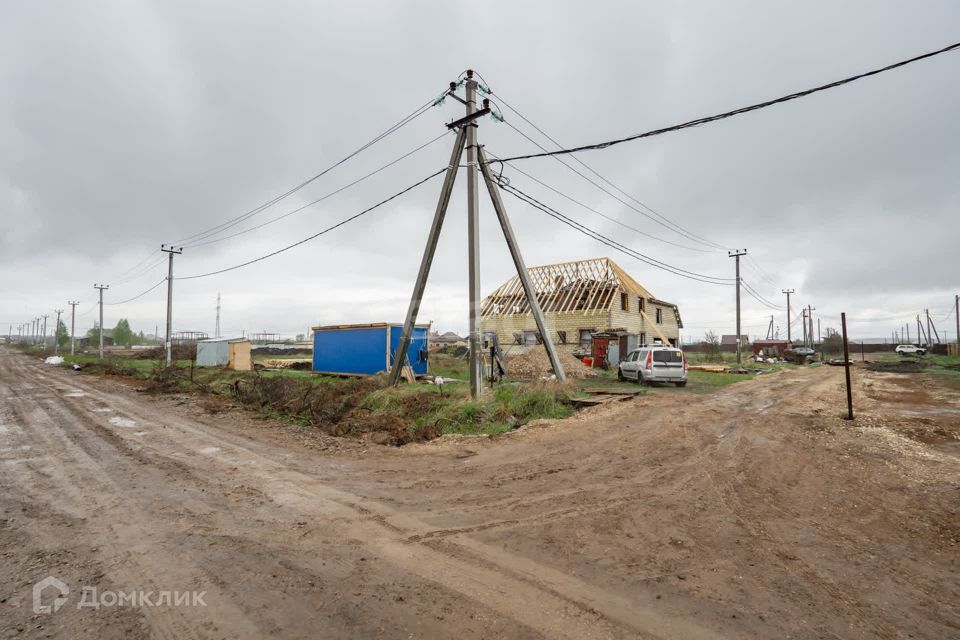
<point>578,613</point>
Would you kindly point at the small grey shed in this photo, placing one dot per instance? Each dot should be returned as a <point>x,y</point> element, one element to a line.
<point>224,352</point>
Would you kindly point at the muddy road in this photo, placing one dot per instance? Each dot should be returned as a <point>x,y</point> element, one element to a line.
<point>750,512</point>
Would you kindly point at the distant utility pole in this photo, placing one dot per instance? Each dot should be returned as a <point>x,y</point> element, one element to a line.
<point>100,288</point>
<point>736,256</point>
<point>818,331</point>
<point>956,315</point>
<point>44,339</point>
<point>803,319</point>
<point>73,318</point>
<point>476,160</point>
<point>216,334</point>
<point>788,292</point>
<point>56,343</point>
<point>168,342</point>
<point>810,311</point>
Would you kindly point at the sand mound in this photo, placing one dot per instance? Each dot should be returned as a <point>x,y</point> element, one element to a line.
<point>534,364</point>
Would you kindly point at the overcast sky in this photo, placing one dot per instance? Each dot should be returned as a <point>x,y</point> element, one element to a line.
<point>126,124</point>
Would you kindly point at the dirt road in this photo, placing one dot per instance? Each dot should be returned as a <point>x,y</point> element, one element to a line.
<point>751,512</point>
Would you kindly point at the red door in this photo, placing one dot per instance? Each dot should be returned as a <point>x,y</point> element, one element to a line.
<point>600,346</point>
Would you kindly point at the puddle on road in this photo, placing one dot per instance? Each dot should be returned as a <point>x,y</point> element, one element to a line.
<point>102,410</point>
<point>76,393</point>
<point>209,451</point>
<point>126,423</point>
<point>140,433</point>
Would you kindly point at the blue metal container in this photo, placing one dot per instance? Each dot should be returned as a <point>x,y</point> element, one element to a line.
<point>366,349</point>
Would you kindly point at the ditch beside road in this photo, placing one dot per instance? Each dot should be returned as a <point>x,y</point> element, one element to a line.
<point>752,510</point>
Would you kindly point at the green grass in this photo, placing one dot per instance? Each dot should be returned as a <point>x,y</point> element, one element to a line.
<point>450,408</point>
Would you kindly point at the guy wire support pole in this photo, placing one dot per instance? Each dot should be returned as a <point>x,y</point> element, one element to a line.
<point>101,287</point>
<point>168,342</point>
<point>400,357</point>
<point>522,272</point>
<point>788,292</point>
<point>73,317</point>
<point>56,330</point>
<point>736,255</point>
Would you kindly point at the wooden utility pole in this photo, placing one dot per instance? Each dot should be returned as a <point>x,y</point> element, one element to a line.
<point>171,251</point>
<point>467,140</point>
<point>101,287</point>
<point>789,319</point>
<point>73,318</point>
<point>736,256</point>
<point>846,365</point>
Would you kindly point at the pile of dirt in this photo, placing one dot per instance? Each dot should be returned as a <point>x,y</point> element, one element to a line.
<point>177,352</point>
<point>902,366</point>
<point>334,408</point>
<point>274,351</point>
<point>535,364</point>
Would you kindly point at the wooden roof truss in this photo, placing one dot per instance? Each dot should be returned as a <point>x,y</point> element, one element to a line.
<point>588,286</point>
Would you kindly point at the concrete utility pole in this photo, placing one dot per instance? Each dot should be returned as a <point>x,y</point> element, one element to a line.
<point>56,343</point>
<point>467,139</point>
<point>473,242</point>
<point>101,287</point>
<point>736,255</point>
<point>73,318</point>
<point>44,338</point>
<point>216,333</point>
<point>788,292</point>
<point>168,342</point>
<point>810,311</point>
<point>956,315</point>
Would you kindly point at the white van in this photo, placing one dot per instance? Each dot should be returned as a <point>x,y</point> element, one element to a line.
<point>655,364</point>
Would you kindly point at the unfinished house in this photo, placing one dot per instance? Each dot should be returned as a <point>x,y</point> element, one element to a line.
<point>578,299</point>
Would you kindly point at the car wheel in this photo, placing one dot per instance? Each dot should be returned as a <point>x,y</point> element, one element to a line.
<point>682,383</point>
<point>921,353</point>
<point>620,375</point>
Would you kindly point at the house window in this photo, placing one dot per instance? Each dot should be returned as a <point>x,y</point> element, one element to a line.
<point>659,315</point>
<point>641,306</point>
<point>586,338</point>
<point>643,339</point>
<point>529,338</point>
<point>623,302</point>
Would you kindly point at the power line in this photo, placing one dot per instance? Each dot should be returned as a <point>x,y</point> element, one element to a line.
<point>662,221</point>
<point>728,114</point>
<point>319,233</point>
<point>759,298</point>
<point>320,199</point>
<point>599,213</point>
<point>653,262</point>
<point>238,219</point>
<point>139,295</point>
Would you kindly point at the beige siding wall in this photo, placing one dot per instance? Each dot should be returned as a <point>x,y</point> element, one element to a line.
<point>571,322</point>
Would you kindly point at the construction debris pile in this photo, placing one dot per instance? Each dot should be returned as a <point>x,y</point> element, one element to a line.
<point>534,364</point>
